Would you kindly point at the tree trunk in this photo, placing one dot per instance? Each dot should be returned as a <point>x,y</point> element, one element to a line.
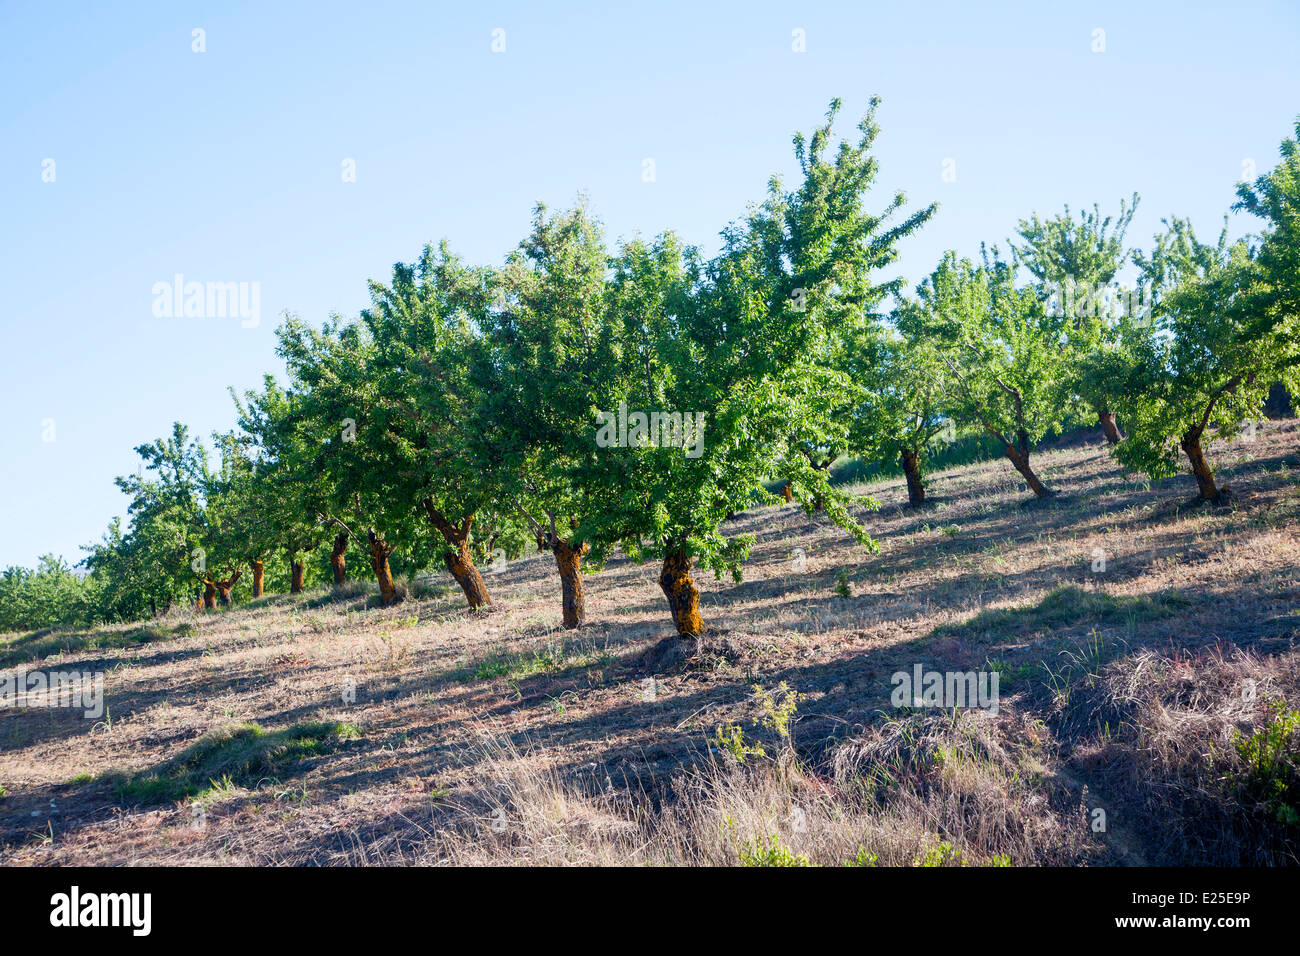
<point>224,587</point>
<point>912,469</point>
<point>337,560</point>
<point>209,594</point>
<point>1020,458</point>
<point>379,552</point>
<point>461,565</point>
<point>1209,491</point>
<point>457,558</point>
<point>569,561</point>
<point>258,570</point>
<point>787,492</point>
<point>683,597</point>
<point>295,575</point>
<point>1109,426</point>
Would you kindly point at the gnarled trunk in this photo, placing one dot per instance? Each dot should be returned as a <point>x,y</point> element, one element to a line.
<point>224,587</point>
<point>457,558</point>
<point>1019,456</point>
<point>295,575</point>
<point>1209,491</point>
<point>683,597</point>
<point>1109,426</point>
<point>258,570</point>
<point>338,563</point>
<point>379,552</point>
<point>912,470</point>
<point>461,565</point>
<point>569,562</point>
<point>209,594</point>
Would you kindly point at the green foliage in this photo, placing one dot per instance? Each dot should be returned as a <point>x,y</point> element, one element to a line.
<point>1208,358</point>
<point>1226,327</point>
<point>554,351</point>
<point>49,595</point>
<point>777,708</point>
<point>770,852</point>
<point>466,413</point>
<point>1272,758</point>
<point>731,739</point>
<point>942,853</point>
<point>1073,263</point>
<point>863,858</point>
<point>901,408</point>
<point>1002,352</point>
<point>741,339</point>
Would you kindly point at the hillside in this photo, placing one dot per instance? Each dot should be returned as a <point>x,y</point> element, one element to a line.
<point>1133,687</point>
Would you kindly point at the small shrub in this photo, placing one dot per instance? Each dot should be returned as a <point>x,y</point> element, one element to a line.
<point>770,852</point>
<point>1272,758</point>
<point>731,739</point>
<point>842,586</point>
<point>863,858</point>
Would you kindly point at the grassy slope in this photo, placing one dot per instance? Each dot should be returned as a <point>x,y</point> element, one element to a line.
<point>498,737</point>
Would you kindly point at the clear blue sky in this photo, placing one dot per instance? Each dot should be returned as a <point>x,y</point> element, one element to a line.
<point>226,165</point>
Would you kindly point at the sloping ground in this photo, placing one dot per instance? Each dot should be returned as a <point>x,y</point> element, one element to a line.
<point>1138,644</point>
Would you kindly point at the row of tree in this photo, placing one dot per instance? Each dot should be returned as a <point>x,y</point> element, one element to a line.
<point>582,399</point>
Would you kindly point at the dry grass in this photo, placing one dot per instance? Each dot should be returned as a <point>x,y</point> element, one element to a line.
<point>1121,691</point>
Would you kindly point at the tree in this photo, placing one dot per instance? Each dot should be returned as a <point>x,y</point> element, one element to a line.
<point>419,401</point>
<point>1074,263</point>
<point>1223,333</point>
<point>338,431</point>
<point>1275,198</point>
<point>721,352</point>
<point>551,356</point>
<point>286,500</point>
<point>50,594</point>
<point>164,544</point>
<point>902,406</point>
<point>1002,351</point>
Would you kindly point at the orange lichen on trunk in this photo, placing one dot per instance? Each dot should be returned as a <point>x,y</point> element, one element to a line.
<point>295,574</point>
<point>258,570</point>
<point>209,594</point>
<point>683,597</point>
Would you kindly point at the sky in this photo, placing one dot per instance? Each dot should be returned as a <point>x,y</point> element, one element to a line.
<point>305,148</point>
